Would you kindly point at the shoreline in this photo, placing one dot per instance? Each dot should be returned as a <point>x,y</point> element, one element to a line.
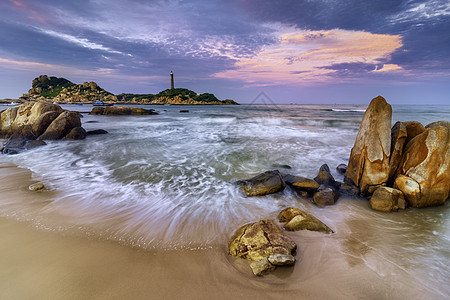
<point>60,264</point>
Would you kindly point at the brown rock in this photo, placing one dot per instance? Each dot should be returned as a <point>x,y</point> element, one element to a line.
<point>341,168</point>
<point>348,189</point>
<point>386,199</point>
<point>426,160</point>
<point>398,138</point>
<point>413,129</point>
<point>439,123</point>
<point>281,259</point>
<point>325,196</point>
<point>263,184</point>
<point>368,166</point>
<point>299,220</point>
<point>77,133</point>
<point>409,187</point>
<point>61,126</point>
<point>121,110</point>
<point>324,177</point>
<point>259,240</point>
<point>261,267</point>
<point>301,183</point>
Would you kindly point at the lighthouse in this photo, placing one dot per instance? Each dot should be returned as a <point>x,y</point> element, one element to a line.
<point>172,85</point>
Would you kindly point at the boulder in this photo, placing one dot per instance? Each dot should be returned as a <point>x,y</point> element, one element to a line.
<point>281,259</point>
<point>263,184</point>
<point>413,129</point>
<point>17,146</point>
<point>299,220</point>
<point>341,168</point>
<point>61,126</point>
<point>387,199</point>
<point>368,166</point>
<point>28,120</point>
<point>348,189</point>
<point>409,187</point>
<point>324,177</point>
<point>439,123</point>
<point>398,139</point>
<point>77,133</point>
<point>37,187</point>
<point>121,111</point>
<point>426,160</point>
<point>301,183</point>
<point>97,131</point>
<point>259,240</point>
<point>325,196</point>
<point>261,267</point>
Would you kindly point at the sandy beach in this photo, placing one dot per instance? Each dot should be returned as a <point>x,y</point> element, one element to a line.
<point>49,264</point>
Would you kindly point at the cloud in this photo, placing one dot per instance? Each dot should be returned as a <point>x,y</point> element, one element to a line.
<point>387,68</point>
<point>305,56</point>
<point>80,41</point>
<point>32,13</point>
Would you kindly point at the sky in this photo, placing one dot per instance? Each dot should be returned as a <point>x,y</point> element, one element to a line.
<point>294,51</point>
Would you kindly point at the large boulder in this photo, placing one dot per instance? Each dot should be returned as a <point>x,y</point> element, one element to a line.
<point>263,184</point>
<point>121,110</point>
<point>61,126</point>
<point>426,160</point>
<point>398,139</point>
<point>29,120</point>
<point>368,166</point>
<point>297,219</point>
<point>413,129</point>
<point>387,199</point>
<point>409,187</point>
<point>260,240</point>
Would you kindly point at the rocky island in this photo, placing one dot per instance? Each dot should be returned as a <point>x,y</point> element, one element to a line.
<point>61,90</point>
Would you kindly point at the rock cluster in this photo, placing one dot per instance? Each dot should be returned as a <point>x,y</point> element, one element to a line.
<point>29,124</point>
<point>410,157</point>
<point>266,245</point>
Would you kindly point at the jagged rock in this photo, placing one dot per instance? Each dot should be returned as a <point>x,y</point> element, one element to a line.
<point>263,184</point>
<point>398,139</point>
<point>121,110</point>
<point>368,166</point>
<point>341,168</point>
<point>37,187</point>
<point>325,196</point>
<point>261,267</point>
<point>97,131</point>
<point>387,199</point>
<point>413,129</point>
<point>259,240</point>
<point>426,160</point>
<point>77,133</point>
<point>348,189</point>
<point>301,183</point>
<point>61,126</point>
<point>324,177</point>
<point>281,259</point>
<point>299,220</point>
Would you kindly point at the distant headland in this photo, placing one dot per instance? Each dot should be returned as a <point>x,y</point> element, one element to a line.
<point>61,90</point>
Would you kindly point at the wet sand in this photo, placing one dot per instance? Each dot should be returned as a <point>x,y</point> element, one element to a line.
<point>36,263</point>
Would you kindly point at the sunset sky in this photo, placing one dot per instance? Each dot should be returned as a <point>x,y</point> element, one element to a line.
<point>296,51</point>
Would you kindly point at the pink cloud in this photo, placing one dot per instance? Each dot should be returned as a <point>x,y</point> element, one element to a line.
<point>300,57</point>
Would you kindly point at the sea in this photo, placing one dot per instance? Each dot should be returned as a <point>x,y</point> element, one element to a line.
<point>166,183</point>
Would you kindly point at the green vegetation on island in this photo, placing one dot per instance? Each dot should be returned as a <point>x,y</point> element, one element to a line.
<point>61,90</point>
